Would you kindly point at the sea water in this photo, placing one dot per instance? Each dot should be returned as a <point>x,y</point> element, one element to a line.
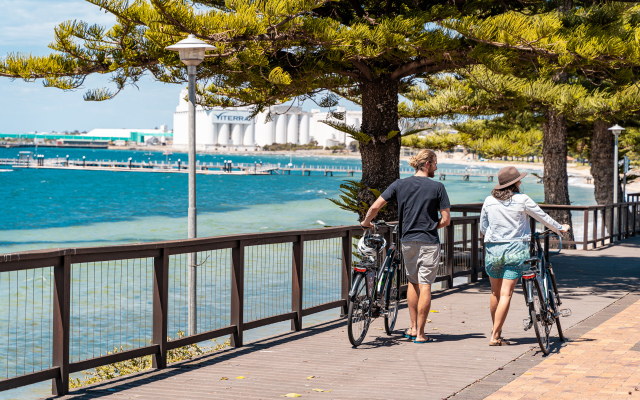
<point>44,208</point>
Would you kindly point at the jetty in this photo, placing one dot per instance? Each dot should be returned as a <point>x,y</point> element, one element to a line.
<point>466,174</point>
<point>204,168</point>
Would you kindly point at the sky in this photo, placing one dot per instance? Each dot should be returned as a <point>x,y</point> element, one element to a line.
<point>28,26</point>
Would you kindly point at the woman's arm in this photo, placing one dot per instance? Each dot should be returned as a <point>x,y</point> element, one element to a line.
<point>541,216</point>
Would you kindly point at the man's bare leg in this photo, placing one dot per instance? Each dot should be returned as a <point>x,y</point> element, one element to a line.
<point>424,305</point>
<point>413,293</point>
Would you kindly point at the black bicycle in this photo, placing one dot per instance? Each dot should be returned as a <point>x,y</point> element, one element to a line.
<point>541,292</point>
<point>375,290</point>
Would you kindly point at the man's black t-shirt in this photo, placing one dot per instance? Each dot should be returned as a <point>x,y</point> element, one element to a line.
<point>419,200</point>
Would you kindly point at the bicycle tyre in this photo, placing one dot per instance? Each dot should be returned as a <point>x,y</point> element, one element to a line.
<point>358,319</point>
<point>391,303</point>
<point>556,302</point>
<point>540,326</point>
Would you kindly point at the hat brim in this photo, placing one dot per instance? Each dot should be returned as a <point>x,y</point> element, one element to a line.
<point>499,186</point>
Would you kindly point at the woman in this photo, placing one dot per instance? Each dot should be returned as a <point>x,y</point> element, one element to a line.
<point>505,226</point>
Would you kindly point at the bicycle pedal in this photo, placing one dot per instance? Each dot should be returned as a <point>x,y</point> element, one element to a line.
<point>565,312</point>
<point>527,324</point>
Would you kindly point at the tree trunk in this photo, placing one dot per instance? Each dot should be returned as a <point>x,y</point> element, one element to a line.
<point>380,157</point>
<point>554,154</point>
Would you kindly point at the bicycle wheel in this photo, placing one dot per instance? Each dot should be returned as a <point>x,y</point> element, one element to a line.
<point>358,318</point>
<point>537,312</point>
<point>554,301</point>
<point>391,303</point>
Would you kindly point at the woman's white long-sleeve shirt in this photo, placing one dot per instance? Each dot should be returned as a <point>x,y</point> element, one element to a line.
<point>507,221</point>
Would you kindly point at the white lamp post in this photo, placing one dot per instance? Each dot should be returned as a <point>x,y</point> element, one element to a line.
<point>616,130</point>
<point>191,51</point>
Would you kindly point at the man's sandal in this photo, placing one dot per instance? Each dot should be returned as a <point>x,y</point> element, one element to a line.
<point>429,340</point>
<point>408,336</point>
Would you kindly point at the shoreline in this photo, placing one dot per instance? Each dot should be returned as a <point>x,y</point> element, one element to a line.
<point>573,170</point>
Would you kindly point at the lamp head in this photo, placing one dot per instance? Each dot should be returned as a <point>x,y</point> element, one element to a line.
<point>616,129</point>
<point>191,50</point>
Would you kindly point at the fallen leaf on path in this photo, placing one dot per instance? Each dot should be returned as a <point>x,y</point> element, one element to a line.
<point>311,377</point>
<point>224,378</point>
<point>428,320</point>
<point>435,311</point>
<point>292,395</point>
<point>320,390</point>
<point>436,329</point>
<point>240,377</point>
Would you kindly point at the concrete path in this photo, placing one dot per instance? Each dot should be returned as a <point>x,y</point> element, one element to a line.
<point>383,367</point>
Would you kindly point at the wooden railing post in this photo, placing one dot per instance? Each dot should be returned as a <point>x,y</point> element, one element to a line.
<point>296,283</point>
<point>450,232</point>
<point>346,270</point>
<point>585,239</point>
<point>465,246</point>
<point>61,311</point>
<point>237,293</point>
<point>160,308</point>
<point>475,226</point>
<point>613,228</point>
<point>595,228</point>
<point>635,218</point>
<point>619,207</point>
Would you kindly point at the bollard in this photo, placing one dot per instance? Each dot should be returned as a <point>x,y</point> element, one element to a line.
<point>83,162</point>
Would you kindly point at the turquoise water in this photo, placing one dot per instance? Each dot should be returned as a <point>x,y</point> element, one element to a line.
<point>57,208</point>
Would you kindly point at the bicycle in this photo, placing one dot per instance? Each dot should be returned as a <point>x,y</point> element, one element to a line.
<point>541,292</point>
<point>375,290</point>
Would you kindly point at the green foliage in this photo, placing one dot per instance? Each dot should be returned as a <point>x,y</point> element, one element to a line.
<point>122,368</point>
<point>313,145</point>
<point>348,200</point>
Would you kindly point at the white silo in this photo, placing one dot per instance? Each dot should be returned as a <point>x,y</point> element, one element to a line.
<point>236,134</point>
<point>281,128</point>
<point>249,135</point>
<point>304,129</point>
<point>223,134</point>
<point>292,128</point>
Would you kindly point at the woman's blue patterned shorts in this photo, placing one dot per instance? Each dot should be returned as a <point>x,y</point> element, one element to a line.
<point>504,259</point>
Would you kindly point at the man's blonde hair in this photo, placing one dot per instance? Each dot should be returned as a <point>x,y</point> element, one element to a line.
<point>423,157</point>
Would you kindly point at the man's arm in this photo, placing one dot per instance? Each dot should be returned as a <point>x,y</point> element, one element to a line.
<point>445,218</point>
<point>373,211</point>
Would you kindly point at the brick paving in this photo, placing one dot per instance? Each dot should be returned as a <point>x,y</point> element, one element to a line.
<point>383,367</point>
<point>602,364</point>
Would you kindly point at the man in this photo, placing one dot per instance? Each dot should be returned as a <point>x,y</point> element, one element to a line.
<point>419,200</point>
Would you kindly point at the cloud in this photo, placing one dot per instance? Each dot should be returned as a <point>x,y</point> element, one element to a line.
<point>28,25</point>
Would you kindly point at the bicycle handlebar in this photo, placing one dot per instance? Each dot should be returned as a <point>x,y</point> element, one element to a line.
<point>549,232</point>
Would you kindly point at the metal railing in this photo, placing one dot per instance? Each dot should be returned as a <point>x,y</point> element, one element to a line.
<point>67,308</point>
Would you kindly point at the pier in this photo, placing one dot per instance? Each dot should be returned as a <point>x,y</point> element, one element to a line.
<point>249,281</point>
<point>182,167</point>
<point>442,174</point>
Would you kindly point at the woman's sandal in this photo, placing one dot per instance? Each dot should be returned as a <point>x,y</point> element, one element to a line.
<point>499,342</point>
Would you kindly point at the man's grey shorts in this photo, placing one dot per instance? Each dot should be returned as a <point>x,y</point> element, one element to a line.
<point>421,260</point>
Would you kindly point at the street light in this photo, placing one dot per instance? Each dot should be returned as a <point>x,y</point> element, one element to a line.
<point>616,130</point>
<point>191,51</point>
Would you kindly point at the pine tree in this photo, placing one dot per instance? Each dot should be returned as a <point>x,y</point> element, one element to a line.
<point>274,51</point>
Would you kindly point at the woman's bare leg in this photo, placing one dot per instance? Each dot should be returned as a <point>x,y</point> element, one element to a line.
<point>502,309</point>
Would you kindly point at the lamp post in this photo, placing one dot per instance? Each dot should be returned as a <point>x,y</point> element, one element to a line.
<point>616,130</point>
<point>191,51</point>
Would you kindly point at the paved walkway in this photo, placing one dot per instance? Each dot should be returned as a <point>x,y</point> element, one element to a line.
<point>602,364</point>
<point>320,363</point>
